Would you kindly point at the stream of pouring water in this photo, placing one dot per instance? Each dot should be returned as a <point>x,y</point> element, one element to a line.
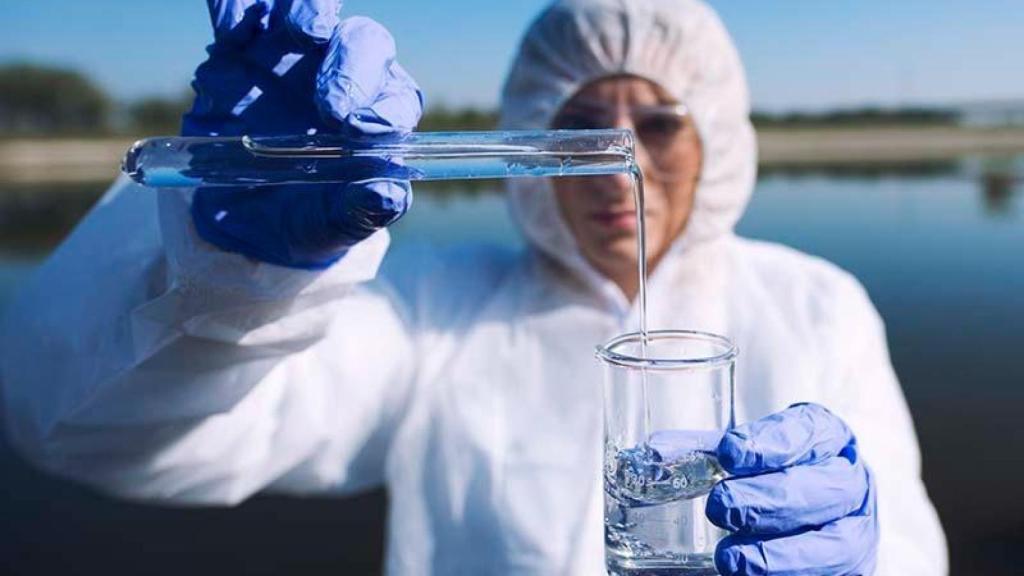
<point>637,176</point>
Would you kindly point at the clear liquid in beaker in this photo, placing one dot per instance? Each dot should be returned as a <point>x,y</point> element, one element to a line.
<point>654,512</point>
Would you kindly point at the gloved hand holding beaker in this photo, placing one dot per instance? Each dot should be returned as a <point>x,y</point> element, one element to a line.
<point>801,500</point>
<point>280,67</point>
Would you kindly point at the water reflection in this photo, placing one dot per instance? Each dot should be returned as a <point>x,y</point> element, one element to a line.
<point>999,180</point>
<point>998,191</point>
<point>866,170</point>
<point>34,217</point>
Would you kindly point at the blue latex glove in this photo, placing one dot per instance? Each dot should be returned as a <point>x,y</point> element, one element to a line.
<point>280,67</point>
<point>801,500</point>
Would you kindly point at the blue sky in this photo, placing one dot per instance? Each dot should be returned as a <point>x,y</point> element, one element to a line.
<point>799,54</point>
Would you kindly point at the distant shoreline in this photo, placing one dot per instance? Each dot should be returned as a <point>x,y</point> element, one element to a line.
<point>43,160</point>
<point>883,145</point>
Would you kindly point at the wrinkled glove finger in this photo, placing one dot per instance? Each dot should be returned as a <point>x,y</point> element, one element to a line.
<point>310,22</point>
<point>235,22</point>
<point>800,434</point>
<point>671,445</point>
<point>305,226</point>
<point>355,69</point>
<point>397,108</point>
<point>788,500</point>
<point>361,208</point>
<point>846,547</point>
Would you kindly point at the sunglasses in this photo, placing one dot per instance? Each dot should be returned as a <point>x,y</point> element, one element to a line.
<point>666,132</point>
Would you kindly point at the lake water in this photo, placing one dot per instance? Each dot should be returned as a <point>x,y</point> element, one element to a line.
<point>939,247</point>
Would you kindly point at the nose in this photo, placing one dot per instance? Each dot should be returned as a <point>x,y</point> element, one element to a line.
<point>618,184</point>
<point>612,190</point>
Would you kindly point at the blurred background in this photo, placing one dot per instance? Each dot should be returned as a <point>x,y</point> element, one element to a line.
<point>892,143</point>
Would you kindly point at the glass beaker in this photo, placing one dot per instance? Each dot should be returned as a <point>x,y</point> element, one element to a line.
<point>667,403</point>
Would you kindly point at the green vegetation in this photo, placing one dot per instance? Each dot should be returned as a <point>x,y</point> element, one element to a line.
<point>48,101</point>
<point>442,119</point>
<point>37,100</point>
<point>859,117</point>
<point>156,115</point>
<point>51,101</point>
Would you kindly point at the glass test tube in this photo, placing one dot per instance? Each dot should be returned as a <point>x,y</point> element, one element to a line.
<point>255,161</point>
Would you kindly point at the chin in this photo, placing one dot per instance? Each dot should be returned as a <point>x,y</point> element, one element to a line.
<point>616,255</point>
<point>623,247</point>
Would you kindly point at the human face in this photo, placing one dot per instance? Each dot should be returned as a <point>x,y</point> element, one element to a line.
<point>600,211</point>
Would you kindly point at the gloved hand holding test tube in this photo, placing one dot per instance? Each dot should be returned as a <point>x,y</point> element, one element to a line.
<point>247,163</point>
<point>300,140</point>
<point>277,69</point>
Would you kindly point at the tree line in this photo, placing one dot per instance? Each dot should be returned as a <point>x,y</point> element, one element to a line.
<point>864,116</point>
<point>52,101</point>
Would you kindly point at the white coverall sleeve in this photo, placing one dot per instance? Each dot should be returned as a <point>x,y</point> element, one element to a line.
<point>149,364</point>
<point>912,542</point>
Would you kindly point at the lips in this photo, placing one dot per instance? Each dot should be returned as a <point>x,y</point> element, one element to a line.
<point>615,219</point>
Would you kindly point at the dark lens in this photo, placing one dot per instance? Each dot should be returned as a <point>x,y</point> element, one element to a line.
<point>577,121</point>
<point>665,137</point>
<point>659,127</point>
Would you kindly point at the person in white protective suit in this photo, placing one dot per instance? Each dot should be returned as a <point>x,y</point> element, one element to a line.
<point>152,361</point>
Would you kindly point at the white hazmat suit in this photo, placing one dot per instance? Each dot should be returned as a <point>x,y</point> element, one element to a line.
<point>151,365</point>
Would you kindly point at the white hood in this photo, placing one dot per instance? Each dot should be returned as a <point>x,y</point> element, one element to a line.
<point>679,44</point>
